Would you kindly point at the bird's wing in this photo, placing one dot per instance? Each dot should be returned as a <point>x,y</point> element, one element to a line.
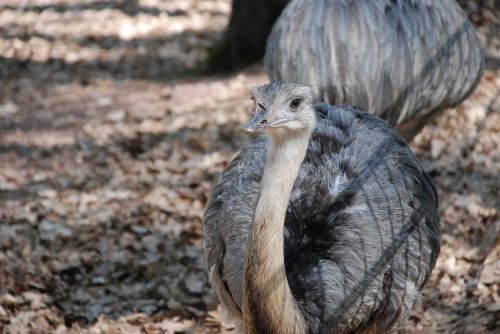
<point>433,60</point>
<point>363,238</point>
<point>227,221</point>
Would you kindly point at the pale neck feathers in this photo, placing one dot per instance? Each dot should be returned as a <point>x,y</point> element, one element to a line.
<point>265,289</point>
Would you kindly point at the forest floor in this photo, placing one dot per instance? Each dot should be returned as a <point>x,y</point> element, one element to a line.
<point>110,142</point>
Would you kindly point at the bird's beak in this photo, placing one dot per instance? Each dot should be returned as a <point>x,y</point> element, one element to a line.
<point>257,123</point>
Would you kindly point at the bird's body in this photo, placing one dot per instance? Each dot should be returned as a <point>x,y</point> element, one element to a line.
<point>360,234</point>
<point>402,60</point>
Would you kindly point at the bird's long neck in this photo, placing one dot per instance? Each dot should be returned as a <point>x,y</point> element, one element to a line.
<point>268,304</point>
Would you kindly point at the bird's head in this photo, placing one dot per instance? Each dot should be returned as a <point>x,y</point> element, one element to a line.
<point>282,108</point>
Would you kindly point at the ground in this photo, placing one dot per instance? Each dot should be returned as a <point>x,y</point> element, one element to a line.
<point>111,139</point>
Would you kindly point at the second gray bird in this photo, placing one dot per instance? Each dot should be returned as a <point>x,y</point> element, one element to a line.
<point>403,60</point>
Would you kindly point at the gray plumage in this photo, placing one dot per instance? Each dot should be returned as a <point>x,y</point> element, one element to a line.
<point>361,230</point>
<point>402,60</point>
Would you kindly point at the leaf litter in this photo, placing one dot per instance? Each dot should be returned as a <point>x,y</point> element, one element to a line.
<point>108,153</point>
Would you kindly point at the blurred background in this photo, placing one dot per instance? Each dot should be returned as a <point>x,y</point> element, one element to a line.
<point>113,128</point>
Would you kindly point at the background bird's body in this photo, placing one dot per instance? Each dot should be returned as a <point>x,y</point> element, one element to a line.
<point>402,60</point>
<point>361,232</point>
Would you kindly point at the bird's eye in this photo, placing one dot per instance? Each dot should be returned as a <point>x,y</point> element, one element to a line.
<point>294,105</point>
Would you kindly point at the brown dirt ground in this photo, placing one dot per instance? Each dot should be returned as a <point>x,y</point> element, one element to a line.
<point>109,145</point>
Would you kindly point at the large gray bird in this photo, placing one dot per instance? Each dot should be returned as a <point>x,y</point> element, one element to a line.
<point>402,60</point>
<point>324,223</point>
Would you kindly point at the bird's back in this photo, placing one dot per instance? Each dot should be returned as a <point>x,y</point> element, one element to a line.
<point>361,231</point>
<point>400,59</point>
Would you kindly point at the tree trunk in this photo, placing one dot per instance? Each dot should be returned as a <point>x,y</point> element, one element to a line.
<point>245,38</point>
